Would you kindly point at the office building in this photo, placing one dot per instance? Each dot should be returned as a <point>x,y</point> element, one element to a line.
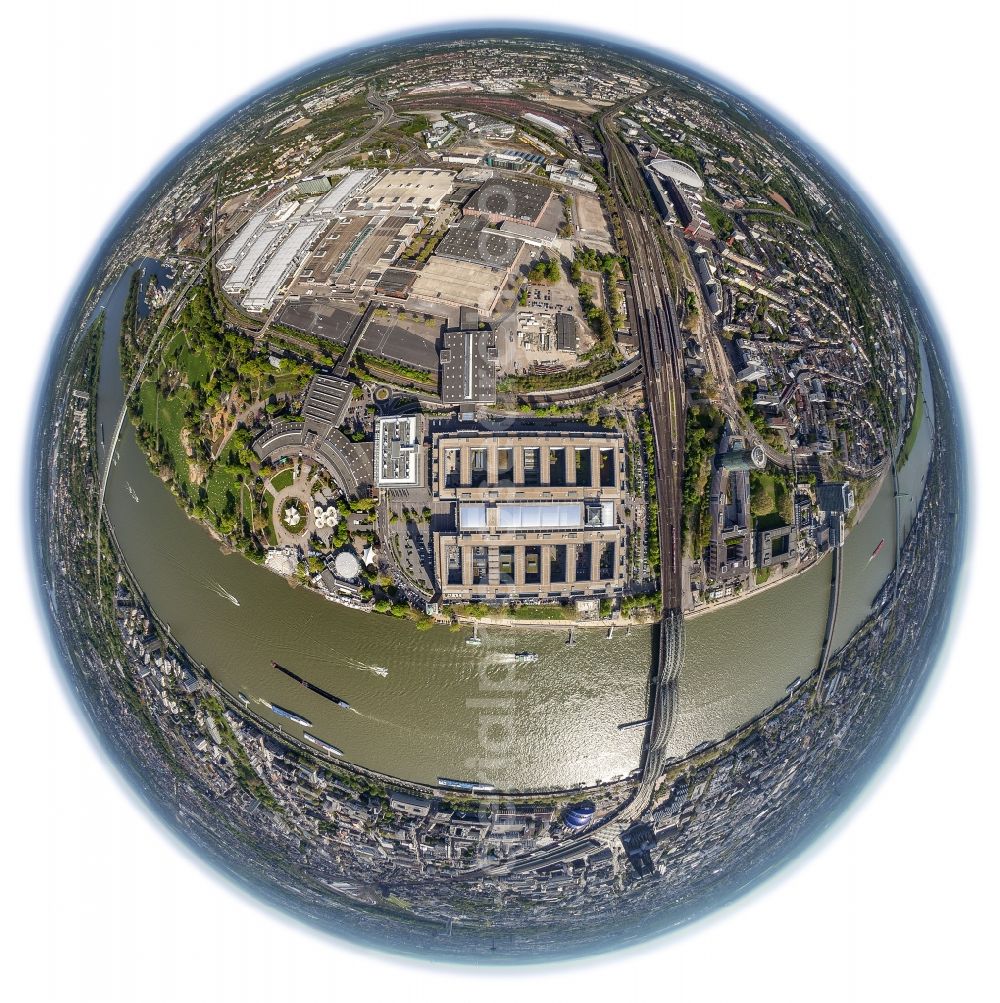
<point>534,515</point>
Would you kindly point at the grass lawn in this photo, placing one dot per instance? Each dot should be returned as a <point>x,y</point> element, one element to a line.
<point>288,383</point>
<point>166,415</point>
<point>770,500</point>
<point>299,504</point>
<point>283,479</point>
<point>761,493</point>
<point>197,367</point>
<point>552,611</point>
<point>221,485</point>
<point>418,123</point>
<point>265,514</point>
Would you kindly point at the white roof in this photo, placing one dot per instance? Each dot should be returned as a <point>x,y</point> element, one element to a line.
<point>679,171</point>
<point>281,262</point>
<point>331,202</point>
<point>472,517</point>
<point>228,257</point>
<point>410,188</point>
<point>249,263</point>
<point>530,234</point>
<point>397,452</point>
<point>547,123</point>
<point>346,566</point>
<point>542,515</point>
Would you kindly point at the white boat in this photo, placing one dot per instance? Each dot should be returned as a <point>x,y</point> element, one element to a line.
<point>471,786</point>
<point>319,743</point>
<point>290,714</point>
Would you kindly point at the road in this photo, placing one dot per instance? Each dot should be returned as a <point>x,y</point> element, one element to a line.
<point>386,116</point>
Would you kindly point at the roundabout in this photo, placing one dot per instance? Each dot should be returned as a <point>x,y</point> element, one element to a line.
<point>293,514</point>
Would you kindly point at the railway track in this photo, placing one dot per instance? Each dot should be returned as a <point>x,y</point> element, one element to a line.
<point>661,348</point>
<point>656,325</point>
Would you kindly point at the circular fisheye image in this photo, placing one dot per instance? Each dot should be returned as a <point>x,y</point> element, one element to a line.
<point>498,496</point>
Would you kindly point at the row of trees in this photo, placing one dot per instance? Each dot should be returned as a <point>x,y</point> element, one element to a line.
<point>703,426</point>
<point>609,266</point>
<point>652,502</point>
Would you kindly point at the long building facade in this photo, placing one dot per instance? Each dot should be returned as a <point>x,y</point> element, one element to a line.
<point>532,515</point>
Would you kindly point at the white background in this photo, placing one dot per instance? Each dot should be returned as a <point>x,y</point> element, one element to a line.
<point>898,902</point>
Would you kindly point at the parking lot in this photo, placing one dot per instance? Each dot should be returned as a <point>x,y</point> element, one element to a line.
<point>460,283</point>
<point>410,342</point>
<point>589,217</point>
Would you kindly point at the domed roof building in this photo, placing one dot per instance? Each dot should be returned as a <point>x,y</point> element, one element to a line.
<point>346,566</point>
<point>677,171</point>
<point>579,816</point>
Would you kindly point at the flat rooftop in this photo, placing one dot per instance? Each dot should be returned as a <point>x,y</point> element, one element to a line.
<point>510,198</point>
<point>412,189</point>
<point>253,257</point>
<point>516,466</point>
<point>397,451</point>
<point>241,241</point>
<point>332,203</point>
<point>280,265</point>
<point>566,335</point>
<point>326,402</point>
<point>468,367</point>
<point>459,283</point>
<point>471,240</point>
<point>527,524</point>
<point>396,282</point>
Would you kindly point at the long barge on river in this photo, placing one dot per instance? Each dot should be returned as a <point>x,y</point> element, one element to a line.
<point>469,786</point>
<point>289,714</point>
<point>320,744</point>
<point>311,686</point>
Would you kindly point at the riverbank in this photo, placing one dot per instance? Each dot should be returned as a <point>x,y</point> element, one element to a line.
<point>419,702</point>
<point>803,568</point>
<point>615,622</point>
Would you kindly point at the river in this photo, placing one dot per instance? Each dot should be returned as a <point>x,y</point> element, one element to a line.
<point>425,705</point>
